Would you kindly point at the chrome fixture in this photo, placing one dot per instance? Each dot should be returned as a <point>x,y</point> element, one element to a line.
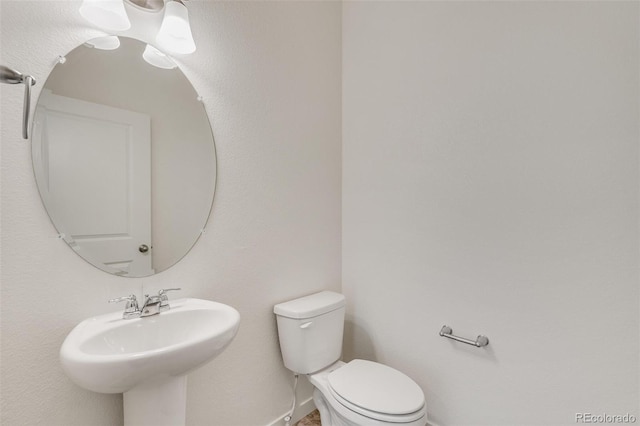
<point>152,305</point>
<point>480,341</point>
<point>155,304</point>
<point>131,309</point>
<point>11,76</point>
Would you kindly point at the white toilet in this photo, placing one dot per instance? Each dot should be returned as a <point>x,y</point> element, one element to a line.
<point>357,393</point>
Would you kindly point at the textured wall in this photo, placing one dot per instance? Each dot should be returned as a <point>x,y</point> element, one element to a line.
<point>490,182</point>
<point>270,77</point>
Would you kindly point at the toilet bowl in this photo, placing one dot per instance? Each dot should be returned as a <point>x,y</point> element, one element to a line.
<point>356,393</point>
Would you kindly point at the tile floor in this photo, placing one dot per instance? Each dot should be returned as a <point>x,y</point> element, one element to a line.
<point>312,419</point>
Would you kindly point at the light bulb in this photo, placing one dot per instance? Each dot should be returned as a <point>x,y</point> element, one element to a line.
<point>158,59</point>
<point>108,14</point>
<point>175,32</point>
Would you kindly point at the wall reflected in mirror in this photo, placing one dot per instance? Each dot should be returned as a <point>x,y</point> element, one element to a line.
<point>124,158</point>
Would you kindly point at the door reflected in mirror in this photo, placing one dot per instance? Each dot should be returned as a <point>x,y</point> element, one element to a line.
<point>124,158</point>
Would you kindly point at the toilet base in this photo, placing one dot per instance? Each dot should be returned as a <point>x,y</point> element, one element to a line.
<point>327,416</point>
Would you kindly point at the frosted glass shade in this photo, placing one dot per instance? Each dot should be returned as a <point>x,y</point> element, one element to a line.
<point>104,43</point>
<point>108,14</point>
<point>158,59</point>
<point>175,32</point>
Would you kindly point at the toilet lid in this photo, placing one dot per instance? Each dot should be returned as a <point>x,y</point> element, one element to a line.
<point>376,387</point>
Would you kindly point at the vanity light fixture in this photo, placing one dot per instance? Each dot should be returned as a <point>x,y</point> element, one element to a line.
<point>175,32</point>
<point>158,59</point>
<point>107,14</point>
<point>174,35</point>
<point>104,43</point>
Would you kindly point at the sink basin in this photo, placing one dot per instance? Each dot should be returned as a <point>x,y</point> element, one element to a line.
<point>148,358</point>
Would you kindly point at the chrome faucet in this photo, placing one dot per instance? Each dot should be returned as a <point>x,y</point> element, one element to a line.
<point>155,304</point>
<point>131,309</point>
<point>152,305</point>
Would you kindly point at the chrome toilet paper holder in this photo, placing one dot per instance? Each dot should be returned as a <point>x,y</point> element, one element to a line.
<point>480,341</point>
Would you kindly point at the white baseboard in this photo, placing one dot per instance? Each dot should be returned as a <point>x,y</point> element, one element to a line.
<point>304,408</point>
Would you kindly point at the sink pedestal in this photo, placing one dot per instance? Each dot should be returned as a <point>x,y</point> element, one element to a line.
<point>157,402</point>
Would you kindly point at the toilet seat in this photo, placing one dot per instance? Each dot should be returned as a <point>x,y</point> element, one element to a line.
<point>377,391</point>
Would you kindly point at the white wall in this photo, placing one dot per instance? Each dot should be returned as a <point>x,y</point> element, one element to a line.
<point>270,77</point>
<point>490,182</point>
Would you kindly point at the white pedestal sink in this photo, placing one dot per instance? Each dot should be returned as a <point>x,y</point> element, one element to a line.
<point>147,359</point>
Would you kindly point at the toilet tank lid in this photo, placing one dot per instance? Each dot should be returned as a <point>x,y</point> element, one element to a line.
<point>310,306</point>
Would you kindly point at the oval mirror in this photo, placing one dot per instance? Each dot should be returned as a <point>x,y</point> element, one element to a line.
<point>123,156</point>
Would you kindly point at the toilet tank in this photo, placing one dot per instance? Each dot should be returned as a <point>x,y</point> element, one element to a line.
<point>310,330</point>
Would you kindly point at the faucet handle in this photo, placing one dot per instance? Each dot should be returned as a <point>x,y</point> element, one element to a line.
<point>164,300</point>
<point>131,309</point>
<point>130,299</point>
